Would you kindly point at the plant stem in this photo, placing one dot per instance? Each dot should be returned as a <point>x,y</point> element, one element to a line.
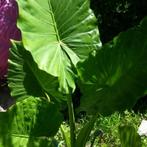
<point>71,121</point>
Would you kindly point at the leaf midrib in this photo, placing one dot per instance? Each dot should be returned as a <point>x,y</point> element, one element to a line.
<point>56,31</point>
<point>54,22</point>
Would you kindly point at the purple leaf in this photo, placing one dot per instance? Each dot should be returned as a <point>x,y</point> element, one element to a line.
<point>4,46</point>
<point>8,30</point>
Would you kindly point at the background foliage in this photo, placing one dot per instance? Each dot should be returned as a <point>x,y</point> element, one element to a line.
<point>115,16</point>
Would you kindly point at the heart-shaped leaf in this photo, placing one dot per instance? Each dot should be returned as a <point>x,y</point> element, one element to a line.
<point>117,76</point>
<point>21,76</point>
<point>58,35</point>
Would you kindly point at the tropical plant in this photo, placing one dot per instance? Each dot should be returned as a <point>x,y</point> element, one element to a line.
<point>117,77</point>
<point>61,46</point>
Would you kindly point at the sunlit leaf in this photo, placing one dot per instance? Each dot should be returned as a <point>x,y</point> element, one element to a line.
<point>58,35</point>
<point>22,78</point>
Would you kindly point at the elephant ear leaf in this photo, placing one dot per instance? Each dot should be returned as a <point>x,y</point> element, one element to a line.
<point>58,35</point>
<point>117,76</point>
<point>22,78</point>
<point>29,123</point>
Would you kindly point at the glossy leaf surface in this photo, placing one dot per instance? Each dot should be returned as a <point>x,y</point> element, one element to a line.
<point>58,35</point>
<point>117,76</point>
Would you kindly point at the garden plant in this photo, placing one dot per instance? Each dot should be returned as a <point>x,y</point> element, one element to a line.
<point>60,50</point>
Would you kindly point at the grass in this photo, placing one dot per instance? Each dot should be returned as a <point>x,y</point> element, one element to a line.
<point>109,127</point>
<point>106,133</point>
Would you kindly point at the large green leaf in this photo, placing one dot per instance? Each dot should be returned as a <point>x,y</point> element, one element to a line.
<point>21,76</point>
<point>29,123</point>
<point>117,76</point>
<point>58,34</point>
